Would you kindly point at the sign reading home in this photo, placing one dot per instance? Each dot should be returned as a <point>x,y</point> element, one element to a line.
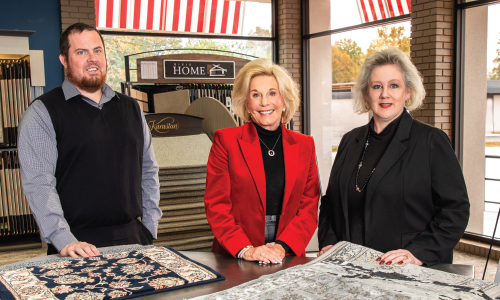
<point>167,124</point>
<point>199,69</point>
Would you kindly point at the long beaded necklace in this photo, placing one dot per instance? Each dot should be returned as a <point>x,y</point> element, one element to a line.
<point>359,167</point>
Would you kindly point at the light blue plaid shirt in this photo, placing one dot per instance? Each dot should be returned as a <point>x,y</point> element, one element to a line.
<point>37,147</point>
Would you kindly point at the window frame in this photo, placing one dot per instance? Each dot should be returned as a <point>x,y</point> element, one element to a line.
<point>307,36</point>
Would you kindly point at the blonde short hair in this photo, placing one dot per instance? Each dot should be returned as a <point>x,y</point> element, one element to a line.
<point>288,88</point>
<point>390,56</point>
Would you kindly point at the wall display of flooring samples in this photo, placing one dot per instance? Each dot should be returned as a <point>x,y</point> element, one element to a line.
<point>15,96</point>
<point>1,115</point>
<point>15,214</point>
<point>183,168</point>
<point>175,102</point>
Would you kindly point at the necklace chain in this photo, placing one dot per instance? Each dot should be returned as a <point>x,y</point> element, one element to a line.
<point>358,189</point>
<point>270,152</point>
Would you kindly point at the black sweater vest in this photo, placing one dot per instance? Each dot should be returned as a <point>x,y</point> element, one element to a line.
<point>99,164</point>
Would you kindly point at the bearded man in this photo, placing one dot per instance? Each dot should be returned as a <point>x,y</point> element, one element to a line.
<point>87,163</point>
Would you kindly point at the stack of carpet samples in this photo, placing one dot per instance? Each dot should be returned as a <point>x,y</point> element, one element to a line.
<point>183,168</point>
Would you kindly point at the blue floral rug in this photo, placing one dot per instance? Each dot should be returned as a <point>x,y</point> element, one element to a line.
<point>122,275</point>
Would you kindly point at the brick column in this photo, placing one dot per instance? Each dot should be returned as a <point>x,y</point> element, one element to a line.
<point>432,53</point>
<point>289,45</point>
<point>77,11</point>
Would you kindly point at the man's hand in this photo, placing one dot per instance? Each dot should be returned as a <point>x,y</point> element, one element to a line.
<point>79,248</point>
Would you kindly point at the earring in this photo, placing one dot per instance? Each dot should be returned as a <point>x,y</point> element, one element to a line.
<point>367,106</point>
<point>407,102</point>
<point>248,111</point>
<point>283,109</point>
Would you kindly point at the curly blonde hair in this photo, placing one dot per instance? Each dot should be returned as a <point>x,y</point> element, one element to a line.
<point>390,56</point>
<point>288,88</point>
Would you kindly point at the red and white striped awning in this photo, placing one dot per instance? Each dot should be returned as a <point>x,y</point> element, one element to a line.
<point>373,10</point>
<point>197,16</point>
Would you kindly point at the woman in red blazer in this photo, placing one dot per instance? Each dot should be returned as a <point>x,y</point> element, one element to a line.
<point>262,189</point>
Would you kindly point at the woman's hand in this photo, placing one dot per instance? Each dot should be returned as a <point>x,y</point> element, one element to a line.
<point>263,254</point>
<point>400,256</point>
<point>277,248</point>
<point>326,248</point>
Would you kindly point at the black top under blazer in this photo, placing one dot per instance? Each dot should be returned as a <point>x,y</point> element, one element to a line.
<point>416,199</point>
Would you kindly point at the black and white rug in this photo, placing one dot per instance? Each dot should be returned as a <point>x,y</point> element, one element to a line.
<point>349,271</point>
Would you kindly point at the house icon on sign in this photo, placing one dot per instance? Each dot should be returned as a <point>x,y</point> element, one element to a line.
<point>217,70</point>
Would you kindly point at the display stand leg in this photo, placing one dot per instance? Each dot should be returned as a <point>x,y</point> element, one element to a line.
<point>491,244</point>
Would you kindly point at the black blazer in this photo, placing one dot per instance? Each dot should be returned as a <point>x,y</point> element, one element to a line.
<point>415,200</point>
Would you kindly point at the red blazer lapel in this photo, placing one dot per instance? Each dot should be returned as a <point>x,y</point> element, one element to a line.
<point>291,152</point>
<point>250,149</point>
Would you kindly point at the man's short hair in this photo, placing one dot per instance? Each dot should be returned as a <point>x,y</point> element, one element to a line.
<point>75,28</point>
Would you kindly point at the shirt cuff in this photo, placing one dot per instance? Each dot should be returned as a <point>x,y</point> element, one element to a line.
<point>284,245</point>
<point>61,239</point>
<point>153,228</point>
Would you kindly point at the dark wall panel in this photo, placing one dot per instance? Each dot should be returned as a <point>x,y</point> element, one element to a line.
<point>44,17</point>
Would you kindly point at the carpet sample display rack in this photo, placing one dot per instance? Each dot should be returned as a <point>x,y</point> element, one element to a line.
<point>15,85</point>
<point>15,96</point>
<point>16,216</point>
<point>182,175</point>
<point>21,79</point>
<point>202,75</point>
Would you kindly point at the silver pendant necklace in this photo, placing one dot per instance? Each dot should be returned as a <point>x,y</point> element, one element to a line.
<point>270,151</point>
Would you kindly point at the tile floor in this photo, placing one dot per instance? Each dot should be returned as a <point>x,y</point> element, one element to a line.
<point>9,257</point>
<point>464,258</point>
<point>460,257</point>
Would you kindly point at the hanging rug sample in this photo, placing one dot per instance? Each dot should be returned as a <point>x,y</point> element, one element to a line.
<point>350,271</point>
<point>123,274</point>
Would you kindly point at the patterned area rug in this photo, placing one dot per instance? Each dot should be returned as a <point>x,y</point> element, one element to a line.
<point>122,274</point>
<point>349,271</point>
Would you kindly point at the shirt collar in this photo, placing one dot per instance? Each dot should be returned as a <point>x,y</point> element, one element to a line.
<point>70,91</point>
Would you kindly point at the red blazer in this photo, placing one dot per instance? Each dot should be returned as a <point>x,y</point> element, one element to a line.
<point>235,195</point>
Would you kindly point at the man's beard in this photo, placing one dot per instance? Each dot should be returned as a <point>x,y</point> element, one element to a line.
<point>89,84</point>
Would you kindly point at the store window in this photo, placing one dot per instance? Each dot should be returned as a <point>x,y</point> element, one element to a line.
<point>349,50</point>
<point>341,35</point>
<point>475,113</point>
<point>345,14</point>
<point>492,133</point>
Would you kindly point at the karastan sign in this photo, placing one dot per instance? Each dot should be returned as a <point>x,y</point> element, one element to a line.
<point>165,124</point>
<point>198,69</point>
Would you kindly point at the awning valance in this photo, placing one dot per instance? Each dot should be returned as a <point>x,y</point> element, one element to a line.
<point>374,10</point>
<point>197,16</point>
